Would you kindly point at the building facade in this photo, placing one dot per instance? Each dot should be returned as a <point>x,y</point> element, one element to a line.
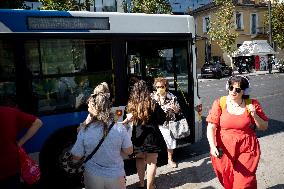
<point>249,21</point>
<point>95,6</point>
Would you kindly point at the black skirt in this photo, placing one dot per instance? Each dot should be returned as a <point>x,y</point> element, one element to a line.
<point>146,138</point>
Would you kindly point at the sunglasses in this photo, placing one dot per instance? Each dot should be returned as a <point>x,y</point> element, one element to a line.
<point>237,90</point>
<point>158,87</point>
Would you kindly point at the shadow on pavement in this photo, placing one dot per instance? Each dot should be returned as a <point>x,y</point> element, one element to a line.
<point>200,172</point>
<point>186,175</point>
<point>274,126</point>
<point>278,186</point>
<point>208,187</point>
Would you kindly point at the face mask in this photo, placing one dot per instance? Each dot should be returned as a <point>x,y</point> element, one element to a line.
<point>161,91</point>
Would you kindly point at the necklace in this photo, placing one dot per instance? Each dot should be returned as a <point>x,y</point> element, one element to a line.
<point>235,104</point>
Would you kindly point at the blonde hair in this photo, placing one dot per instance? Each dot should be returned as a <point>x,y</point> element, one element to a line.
<point>101,88</point>
<point>100,100</point>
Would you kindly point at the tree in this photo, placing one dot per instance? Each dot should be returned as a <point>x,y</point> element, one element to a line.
<point>277,26</point>
<point>65,5</point>
<point>222,26</point>
<point>147,6</point>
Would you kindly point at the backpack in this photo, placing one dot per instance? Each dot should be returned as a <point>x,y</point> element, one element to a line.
<point>223,100</point>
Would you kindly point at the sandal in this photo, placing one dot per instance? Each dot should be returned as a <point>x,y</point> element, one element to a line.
<point>172,164</point>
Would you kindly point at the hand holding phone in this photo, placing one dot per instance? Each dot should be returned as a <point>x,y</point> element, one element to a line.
<point>220,151</point>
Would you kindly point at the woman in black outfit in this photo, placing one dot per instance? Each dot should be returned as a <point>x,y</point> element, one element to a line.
<point>145,115</point>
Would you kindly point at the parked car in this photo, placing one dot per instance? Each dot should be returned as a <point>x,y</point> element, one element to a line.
<point>216,70</point>
<point>226,70</point>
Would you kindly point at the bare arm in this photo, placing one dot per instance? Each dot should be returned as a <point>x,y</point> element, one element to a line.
<point>128,118</point>
<point>127,151</point>
<point>30,132</point>
<point>260,123</point>
<point>211,130</point>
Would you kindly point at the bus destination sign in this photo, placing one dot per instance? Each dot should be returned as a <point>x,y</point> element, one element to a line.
<point>68,23</point>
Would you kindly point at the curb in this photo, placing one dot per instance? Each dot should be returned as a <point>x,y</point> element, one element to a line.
<point>237,73</point>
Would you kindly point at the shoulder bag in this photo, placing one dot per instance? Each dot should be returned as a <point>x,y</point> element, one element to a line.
<point>75,168</point>
<point>179,128</point>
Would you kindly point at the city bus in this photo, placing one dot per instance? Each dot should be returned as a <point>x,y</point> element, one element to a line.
<point>50,61</point>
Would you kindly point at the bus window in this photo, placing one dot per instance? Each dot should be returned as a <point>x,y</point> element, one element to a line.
<point>169,59</point>
<point>7,74</point>
<point>65,71</point>
<point>181,62</point>
<point>60,56</point>
<point>150,59</point>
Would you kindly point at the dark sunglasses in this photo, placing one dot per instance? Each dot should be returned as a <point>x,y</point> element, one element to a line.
<point>160,87</point>
<point>237,90</point>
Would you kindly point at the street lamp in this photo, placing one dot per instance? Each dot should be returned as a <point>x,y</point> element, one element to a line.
<point>270,36</point>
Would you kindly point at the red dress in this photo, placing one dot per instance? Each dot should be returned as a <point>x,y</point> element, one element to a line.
<point>237,167</point>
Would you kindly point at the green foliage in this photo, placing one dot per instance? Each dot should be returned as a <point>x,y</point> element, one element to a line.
<point>222,27</point>
<point>63,5</point>
<point>277,24</point>
<point>148,6</point>
<point>11,4</point>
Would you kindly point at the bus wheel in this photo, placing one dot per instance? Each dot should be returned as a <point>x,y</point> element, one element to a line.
<point>52,173</point>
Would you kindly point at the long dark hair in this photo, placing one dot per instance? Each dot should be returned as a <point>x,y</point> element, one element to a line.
<point>140,103</point>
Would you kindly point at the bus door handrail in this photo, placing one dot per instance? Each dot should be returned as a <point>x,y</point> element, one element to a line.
<point>181,91</point>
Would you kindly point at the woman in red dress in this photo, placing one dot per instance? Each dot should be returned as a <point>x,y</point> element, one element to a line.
<point>234,147</point>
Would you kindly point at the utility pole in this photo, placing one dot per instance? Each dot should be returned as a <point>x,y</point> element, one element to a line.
<point>269,25</point>
<point>270,37</point>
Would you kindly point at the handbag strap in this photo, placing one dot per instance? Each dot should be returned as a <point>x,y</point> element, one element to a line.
<point>181,92</point>
<point>98,146</point>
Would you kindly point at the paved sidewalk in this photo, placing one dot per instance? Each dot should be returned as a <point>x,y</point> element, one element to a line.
<point>256,73</point>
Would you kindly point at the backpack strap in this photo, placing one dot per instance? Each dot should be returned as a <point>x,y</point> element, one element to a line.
<point>222,102</point>
<point>248,102</point>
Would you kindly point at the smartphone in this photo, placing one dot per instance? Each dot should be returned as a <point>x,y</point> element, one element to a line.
<point>220,152</point>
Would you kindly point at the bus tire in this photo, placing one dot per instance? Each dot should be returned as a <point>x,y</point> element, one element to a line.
<point>49,159</point>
